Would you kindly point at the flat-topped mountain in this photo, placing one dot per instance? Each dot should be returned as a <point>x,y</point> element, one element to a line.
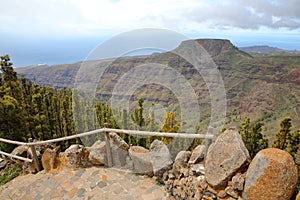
<point>265,88</point>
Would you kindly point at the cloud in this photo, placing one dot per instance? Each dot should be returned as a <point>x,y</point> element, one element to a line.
<point>73,17</point>
<point>249,14</point>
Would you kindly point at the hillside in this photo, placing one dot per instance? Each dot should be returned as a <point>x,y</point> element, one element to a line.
<point>268,51</point>
<point>265,88</point>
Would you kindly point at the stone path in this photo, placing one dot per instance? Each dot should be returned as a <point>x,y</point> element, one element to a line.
<point>90,184</point>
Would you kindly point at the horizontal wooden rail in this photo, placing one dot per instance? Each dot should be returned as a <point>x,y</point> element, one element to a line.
<point>12,142</point>
<point>209,137</point>
<point>14,156</point>
<point>66,138</point>
<point>160,134</point>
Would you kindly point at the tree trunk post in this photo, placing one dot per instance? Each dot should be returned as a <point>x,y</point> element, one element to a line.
<point>34,156</point>
<point>108,149</point>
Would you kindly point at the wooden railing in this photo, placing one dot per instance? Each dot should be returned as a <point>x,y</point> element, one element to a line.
<point>31,144</point>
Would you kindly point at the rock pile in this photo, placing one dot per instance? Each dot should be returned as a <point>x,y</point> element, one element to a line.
<point>225,174</point>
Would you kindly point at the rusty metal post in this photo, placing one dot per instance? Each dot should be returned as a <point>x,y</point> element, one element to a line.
<point>108,149</point>
<point>34,156</point>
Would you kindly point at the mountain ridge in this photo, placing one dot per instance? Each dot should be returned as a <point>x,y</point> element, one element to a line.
<point>263,88</point>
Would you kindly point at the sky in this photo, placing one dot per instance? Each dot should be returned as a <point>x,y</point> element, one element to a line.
<point>65,31</point>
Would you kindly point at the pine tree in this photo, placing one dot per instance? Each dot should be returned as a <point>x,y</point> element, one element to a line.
<point>282,136</point>
<point>170,125</point>
<point>294,142</point>
<point>252,137</point>
<point>11,113</point>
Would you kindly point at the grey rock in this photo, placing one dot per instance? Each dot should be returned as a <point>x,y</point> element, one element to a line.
<point>238,182</point>
<point>198,154</point>
<point>98,153</point>
<point>181,163</point>
<point>118,141</point>
<point>198,169</point>
<point>231,192</point>
<point>3,163</point>
<point>141,160</point>
<point>160,157</point>
<point>225,157</point>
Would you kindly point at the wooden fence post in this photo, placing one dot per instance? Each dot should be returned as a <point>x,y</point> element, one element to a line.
<point>108,149</point>
<point>34,156</point>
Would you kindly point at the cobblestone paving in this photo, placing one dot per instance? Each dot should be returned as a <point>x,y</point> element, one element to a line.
<point>90,184</point>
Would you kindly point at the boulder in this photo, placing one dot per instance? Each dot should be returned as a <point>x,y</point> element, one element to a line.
<point>98,153</point>
<point>198,154</point>
<point>77,156</point>
<point>271,175</point>
<point>141,160</point>
<point>20,151</point>
<point>180,165</point>
<point>119,150</point>
<point>160,158</point>
<point>224,158</point>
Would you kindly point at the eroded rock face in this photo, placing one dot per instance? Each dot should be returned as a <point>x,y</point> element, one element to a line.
<point>141,160</point>
<point>224,158</point>
<point>271,175</point>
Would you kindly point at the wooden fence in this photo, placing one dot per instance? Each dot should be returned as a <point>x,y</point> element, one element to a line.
<point>209,137</point>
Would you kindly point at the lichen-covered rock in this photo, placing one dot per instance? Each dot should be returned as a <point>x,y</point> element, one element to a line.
<point>141,160</point>
<point>180,165</point>
<point>224,158</point>
<point>160,158</point>
<point>271,175</point>
<point>77,156</point>
<point>198,154</point>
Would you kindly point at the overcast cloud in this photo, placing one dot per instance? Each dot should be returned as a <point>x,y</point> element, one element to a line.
<point>104,16</point>
<point>65,31</point>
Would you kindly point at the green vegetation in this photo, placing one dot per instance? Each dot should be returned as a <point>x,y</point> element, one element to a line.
<point>252,137</point>
<point>10,173</point>
<point>170,125</point>
<point>28,110</point>
<point>285,139</point>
